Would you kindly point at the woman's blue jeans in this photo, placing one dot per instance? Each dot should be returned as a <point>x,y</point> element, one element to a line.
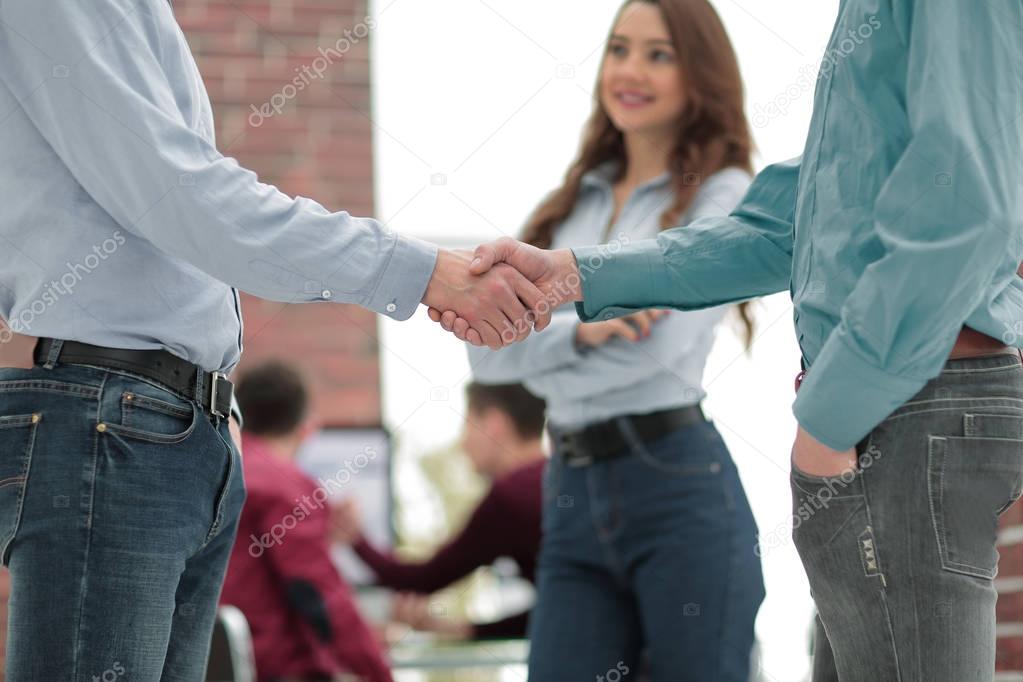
<point>649,553</point>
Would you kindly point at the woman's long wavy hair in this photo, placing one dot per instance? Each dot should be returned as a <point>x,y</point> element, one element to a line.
<point>713,133</point>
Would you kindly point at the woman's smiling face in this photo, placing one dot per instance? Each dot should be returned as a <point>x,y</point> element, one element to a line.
<point>641,80</point>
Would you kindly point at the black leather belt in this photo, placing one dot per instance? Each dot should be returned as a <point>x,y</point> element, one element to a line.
<point>605,440</point>
<point>183,377</point>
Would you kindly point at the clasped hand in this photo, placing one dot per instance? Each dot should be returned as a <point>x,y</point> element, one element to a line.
<point>498,294</point>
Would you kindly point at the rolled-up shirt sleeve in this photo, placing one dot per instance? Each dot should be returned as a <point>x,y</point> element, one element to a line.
<point>706,263</point>
<point>90,76</point>
<point>946,216</point>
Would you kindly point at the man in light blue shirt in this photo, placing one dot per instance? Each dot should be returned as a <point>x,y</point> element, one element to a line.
<point>124,239</point>
<point>898,234</point>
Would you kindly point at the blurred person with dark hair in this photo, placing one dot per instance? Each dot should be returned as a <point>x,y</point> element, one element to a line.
<point>502,437</point>
<point>304,620</point>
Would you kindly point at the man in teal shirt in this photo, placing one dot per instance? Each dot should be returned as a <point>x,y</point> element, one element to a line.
<point>898,233</point>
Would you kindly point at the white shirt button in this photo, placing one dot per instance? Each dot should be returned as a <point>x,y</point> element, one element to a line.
<point>326,293</point>
<point>391,307</point>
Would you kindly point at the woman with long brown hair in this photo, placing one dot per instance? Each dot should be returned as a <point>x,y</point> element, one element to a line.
<point>648,548</point>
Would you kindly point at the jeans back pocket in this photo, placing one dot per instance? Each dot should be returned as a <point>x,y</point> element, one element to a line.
<point>17,441</point>
<point>971,480</point>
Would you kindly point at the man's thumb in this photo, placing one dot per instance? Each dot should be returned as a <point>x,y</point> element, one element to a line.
<point>488,255</point>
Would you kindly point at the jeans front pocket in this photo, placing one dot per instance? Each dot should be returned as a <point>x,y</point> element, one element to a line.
<point>17,440</point>
<point>823,507</point>
<point>690,451</point>
<point>229,482</point>
<point>148,418</point>
<point>970,482</point>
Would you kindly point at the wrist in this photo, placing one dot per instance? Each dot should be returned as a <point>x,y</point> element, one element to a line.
<point>433,296</point>
<point>569,278</point>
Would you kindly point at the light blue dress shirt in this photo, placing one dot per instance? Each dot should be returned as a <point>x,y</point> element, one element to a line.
<point>901,223</point>
<point>123,226</point>
<point>664,370</point>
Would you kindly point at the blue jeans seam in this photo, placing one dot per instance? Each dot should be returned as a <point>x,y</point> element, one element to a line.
<point>222,494</point>
<point>58,387</point>
<point>883,588</point>
<point>83,592</point>
<point>24,478</point>
<point>898,414</point>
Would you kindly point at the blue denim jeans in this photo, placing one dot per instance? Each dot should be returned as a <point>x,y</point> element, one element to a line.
<point>649,553</point>
<point>901,553</point>
<point>119,502</point>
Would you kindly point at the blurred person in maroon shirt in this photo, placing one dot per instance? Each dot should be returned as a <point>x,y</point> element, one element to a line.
<point>304,620</point>
<point>502,437</point>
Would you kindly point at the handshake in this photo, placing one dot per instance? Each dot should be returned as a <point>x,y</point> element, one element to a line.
<point>496,295</point>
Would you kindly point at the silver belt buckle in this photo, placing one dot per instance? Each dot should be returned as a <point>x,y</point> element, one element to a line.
<point>217,376</point>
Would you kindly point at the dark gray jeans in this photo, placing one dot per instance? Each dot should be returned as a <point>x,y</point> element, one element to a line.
<point>901,555</point>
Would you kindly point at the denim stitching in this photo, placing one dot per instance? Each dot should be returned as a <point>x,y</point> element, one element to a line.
<point>955,404</point>
<point>223,494</point>
<point>26,468</point>
<point>88,524</point>
<point>883,589</point>
<point>59,387</point>
<point>937,516</point>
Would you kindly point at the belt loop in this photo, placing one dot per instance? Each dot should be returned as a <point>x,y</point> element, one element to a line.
<point>199,384</point>
<point>56,345</point>
<point>628,431</point>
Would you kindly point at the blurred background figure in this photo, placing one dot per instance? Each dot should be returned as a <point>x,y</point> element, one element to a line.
<point>648,537</point>
<point>305,623</point>
<point>502,436</point>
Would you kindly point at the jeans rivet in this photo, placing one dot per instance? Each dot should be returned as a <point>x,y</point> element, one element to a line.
<point>101,427</point>
<point>36,417</point>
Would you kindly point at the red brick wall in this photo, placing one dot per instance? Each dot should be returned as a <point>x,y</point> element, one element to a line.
<point>290,83</point>
<point>1010,594</point>
<point>317,143</point>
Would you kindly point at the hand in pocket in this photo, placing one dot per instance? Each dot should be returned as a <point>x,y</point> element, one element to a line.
<point>811,457</point>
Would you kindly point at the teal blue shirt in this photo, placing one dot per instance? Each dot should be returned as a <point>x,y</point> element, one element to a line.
<point>899,224</point>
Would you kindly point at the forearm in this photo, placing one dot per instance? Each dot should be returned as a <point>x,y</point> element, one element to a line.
<point>115,125</point>
<point>391,572</point>
<point>709,262</point>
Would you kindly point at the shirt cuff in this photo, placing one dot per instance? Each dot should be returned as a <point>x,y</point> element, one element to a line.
<point>402,285</point>
<point>843,397</point>
<point>616,283</point>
